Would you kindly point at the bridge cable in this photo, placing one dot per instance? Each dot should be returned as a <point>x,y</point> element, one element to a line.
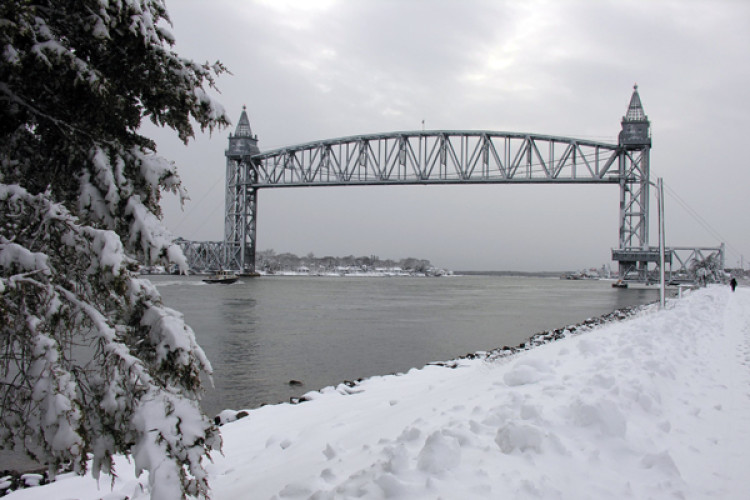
<point>186,216</point>
<point>701,221</point>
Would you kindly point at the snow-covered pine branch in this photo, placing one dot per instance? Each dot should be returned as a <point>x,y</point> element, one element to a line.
<point>110,198</point>
<point>92,362</point>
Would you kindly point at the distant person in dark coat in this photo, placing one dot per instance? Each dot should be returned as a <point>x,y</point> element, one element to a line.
<point>733,284</point>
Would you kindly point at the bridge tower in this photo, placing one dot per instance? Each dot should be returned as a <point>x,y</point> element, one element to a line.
<point>634,254</point>
<point>241,201</point>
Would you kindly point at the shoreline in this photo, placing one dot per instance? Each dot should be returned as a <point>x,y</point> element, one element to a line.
<point>39,475</point>
<point>535,340</point>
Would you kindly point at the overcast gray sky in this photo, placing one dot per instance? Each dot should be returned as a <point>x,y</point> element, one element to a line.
<point>311,70</point>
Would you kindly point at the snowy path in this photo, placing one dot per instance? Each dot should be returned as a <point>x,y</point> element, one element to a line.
<point>657,406</point>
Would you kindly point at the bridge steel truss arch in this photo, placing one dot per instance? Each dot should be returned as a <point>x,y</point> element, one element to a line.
<point>433,157</point>
<point>438,157</point>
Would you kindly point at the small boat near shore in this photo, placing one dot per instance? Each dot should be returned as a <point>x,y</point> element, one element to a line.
<point>619,284</point>
<point>222,277</point>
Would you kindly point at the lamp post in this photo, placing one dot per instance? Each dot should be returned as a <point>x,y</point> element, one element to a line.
<point>660,201</point>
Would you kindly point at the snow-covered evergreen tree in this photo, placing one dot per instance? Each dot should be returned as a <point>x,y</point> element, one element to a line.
<point>91,362</point>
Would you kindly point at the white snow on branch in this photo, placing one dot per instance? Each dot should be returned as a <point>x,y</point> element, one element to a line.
<point>139,348</point>
<point>102,192</point>
<point>19,257</point>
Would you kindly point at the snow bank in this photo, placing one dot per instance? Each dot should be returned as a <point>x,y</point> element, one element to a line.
<point>655,406</point>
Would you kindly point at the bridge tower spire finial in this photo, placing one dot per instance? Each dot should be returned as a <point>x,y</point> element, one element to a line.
<point>243,142</point>
<point>243,126</point>
<point>635,125</point>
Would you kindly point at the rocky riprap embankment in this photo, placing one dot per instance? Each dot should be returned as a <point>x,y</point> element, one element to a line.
<point>350,387</point>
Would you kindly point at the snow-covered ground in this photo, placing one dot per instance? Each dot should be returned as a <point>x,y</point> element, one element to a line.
<point>655,406</point>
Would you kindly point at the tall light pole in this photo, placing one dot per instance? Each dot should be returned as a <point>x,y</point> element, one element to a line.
<point>660,201</point>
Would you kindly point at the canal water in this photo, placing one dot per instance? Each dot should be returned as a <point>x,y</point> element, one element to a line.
<point>262,333</point>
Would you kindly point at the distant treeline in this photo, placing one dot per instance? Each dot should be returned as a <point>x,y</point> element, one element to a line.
<point>269,261</point>
<point>540,274</point>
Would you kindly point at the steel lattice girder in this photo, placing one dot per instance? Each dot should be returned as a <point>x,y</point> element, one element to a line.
<point>689,257</point>
<point>439,157</point>
<point>634,196</point>
<point>203,255</point>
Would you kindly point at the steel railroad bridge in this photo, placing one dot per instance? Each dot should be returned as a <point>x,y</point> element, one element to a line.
<point>443,157</point>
